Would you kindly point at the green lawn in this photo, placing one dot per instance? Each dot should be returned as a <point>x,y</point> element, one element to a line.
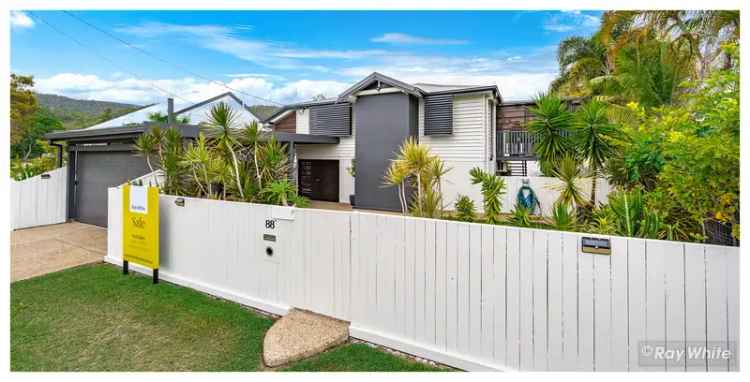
<point>95,319</point>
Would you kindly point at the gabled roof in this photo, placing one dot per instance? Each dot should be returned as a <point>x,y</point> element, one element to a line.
<point>378,78</point>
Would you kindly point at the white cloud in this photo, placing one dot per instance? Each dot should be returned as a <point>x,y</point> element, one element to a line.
<point>20,19</point>
<point>270,54</point>
<point>407,39</point>
<point>567,21</point>
<point>142,91</point>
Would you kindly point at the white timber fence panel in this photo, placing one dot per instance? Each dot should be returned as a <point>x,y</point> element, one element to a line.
<point>40,200</point>
<point>473,296</point>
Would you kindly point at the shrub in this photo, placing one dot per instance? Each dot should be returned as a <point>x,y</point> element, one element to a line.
<point>493,188</point>
<point>465,210</point>
<point>521,216</point>
<point>563,218</point>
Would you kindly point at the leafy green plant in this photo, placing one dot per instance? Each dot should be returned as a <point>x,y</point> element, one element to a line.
<point>465,210</point>
<point>222,129</point>
<point>570,173</point>
<point>551,127</point>
<point>595,138</point>
<point>493,189</point>
<point>563,218</point>
<point>521,216</point>
<point>279,192</point>
<point>416,168</point>
<point>24,169</point>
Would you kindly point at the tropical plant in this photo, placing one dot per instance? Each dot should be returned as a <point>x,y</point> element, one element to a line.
<point>222,129</point>
<point>279,192</point>
<point>570,173</point>
<point>581,60</point>
<point>550,128</point>
<point>465,210</point>
<point>562,218</point>
<point>521,216</point>
<point>493,189</point>
<point>417,169</point>
<point>595,139</point>
<point>162,118</point>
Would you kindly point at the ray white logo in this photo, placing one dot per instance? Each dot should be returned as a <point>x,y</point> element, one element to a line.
<point>139,199</point>
<point>656,353</point>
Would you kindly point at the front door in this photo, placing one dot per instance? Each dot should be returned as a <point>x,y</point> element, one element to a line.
<point>319,179</point>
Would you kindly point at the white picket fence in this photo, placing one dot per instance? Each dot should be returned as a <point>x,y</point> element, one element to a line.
<point>40,200</point>
<point>472,296</point>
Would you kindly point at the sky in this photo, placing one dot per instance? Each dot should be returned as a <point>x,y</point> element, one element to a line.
<point>143,57</point>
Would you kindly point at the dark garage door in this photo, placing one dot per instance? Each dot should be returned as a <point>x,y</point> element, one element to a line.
<point>319,179</point>
<point>97,171</point>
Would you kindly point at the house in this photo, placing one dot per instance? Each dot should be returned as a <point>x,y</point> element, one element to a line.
<point>103,156</point>
<point>372,119</point>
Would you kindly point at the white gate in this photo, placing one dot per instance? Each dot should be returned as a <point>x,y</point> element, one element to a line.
<point>40,200</point>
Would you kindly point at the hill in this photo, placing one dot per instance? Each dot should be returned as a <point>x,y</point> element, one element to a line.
<point>77,113</point>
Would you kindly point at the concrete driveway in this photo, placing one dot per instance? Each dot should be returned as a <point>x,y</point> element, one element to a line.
<point>41,250</point>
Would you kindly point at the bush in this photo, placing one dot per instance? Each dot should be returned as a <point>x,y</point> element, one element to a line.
<point>465,210</point>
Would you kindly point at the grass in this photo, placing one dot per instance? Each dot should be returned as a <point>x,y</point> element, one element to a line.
<point>95,319</point>
<point>359,357</point>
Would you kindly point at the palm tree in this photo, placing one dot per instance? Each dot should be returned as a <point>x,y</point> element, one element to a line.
<point>581,61</point>
<point>595,137</point>
<point>221,128</point>
<point>550,128</point>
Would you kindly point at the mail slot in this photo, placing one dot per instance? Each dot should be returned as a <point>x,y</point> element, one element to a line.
<point>596,245</point>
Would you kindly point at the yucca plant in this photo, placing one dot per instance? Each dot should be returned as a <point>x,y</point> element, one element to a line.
<point>465,210</point>
<point>570,173</point>
<point>550,127</point>
<point>222,129</point>
<point>250,136</point>
<point>416,169</point>
<point>493,189</point>
<point>521,216</point>
<point>279,192</point>
<point>146,144</point>
<point>563,218</point>
<point>595,138</point>
<point>198,158</point>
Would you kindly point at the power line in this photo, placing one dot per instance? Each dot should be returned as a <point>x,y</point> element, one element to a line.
<point>160,59</point>
<point>113,63</point>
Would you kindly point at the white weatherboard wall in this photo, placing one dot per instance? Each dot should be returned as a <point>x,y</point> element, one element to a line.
<point>39,201</point>
<point>467,147</point>
<point>468,295</point>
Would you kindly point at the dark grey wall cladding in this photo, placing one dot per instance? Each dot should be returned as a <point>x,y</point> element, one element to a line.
<point>333,120</point>
<point>383,123</point>
<point>438,114</point>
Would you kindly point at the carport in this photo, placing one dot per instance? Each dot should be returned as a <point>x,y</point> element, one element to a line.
<point>99,159</point>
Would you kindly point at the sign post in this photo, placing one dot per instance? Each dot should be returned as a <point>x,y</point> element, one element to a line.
<point>140,228</point>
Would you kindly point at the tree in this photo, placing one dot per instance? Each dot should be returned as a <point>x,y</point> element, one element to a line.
<point>550,128</point>
<point>162,118</point>
<point>31,143</point>
<point>570,174</point>
<point>417,169</point>
<point>222,128</point>
<point>23,105</point>
<point>594,138</point>
<point>581,60</point>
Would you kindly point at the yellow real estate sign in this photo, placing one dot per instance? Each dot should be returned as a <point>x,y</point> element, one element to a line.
<point>140,232</point>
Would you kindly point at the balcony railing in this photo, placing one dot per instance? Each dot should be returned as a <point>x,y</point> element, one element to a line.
<point>515,144</point>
